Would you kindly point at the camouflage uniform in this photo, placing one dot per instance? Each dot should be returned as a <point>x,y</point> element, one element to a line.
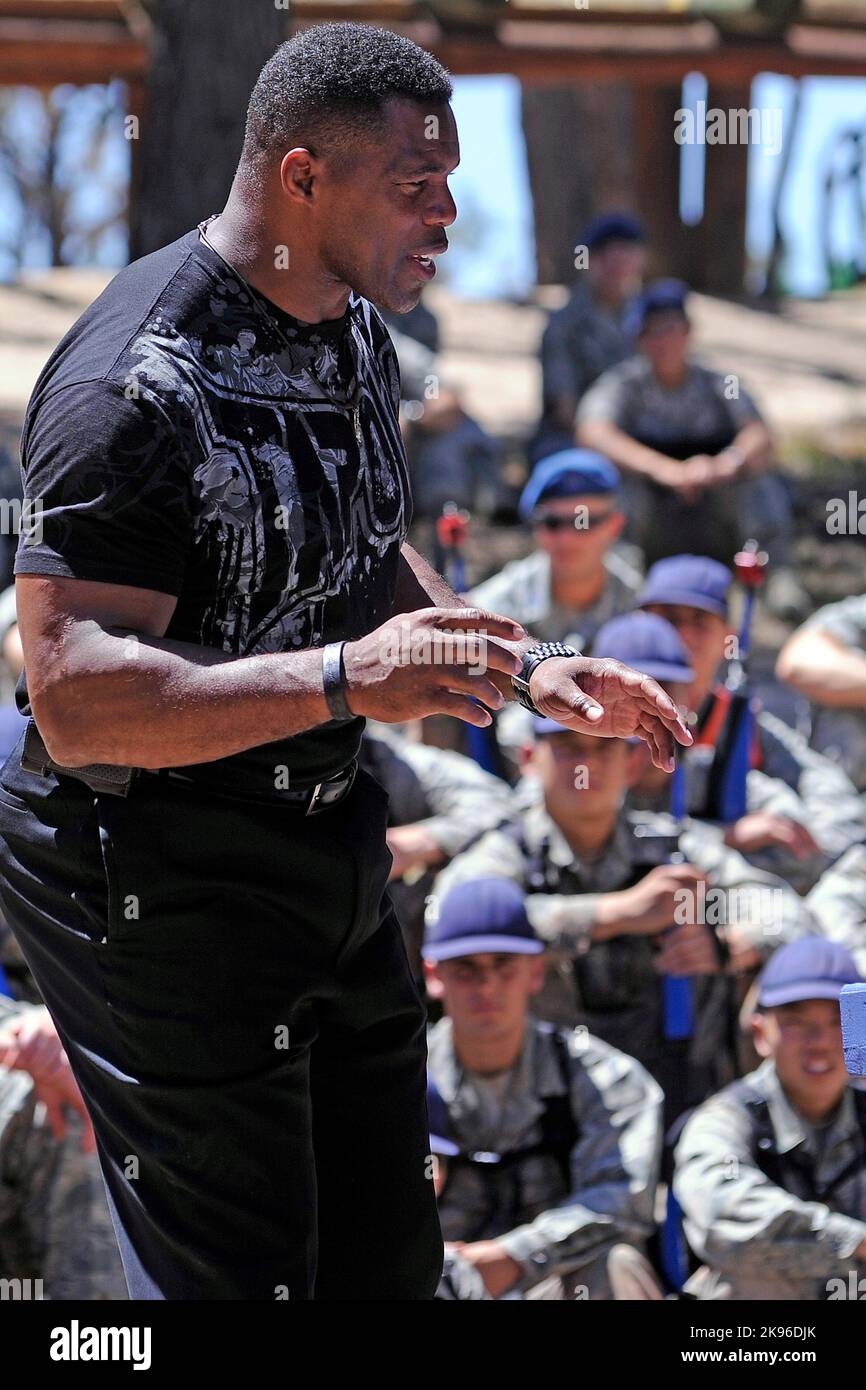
<point>447,794</point>
<point>611,986</point>
<point>759,1239</point>
<point>840,734</point>
<point>562,1232</point>
<point>54,1220</point>
<point>522,591</point>
<point>793,781</point>
<point>838,903</point>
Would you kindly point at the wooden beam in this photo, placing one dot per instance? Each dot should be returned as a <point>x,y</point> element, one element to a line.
<point>64,9</point>
<point>41,54</point>
<point>612,57</point>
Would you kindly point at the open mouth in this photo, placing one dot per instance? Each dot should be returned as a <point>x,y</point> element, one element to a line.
<point>425,265</point>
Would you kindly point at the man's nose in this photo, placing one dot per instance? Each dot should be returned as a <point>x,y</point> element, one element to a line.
<point>441,211</point>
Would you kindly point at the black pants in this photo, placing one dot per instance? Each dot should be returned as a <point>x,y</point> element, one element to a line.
<point>231,986</point>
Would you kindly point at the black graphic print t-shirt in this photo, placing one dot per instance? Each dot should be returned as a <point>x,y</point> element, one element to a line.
<point>191,437</point>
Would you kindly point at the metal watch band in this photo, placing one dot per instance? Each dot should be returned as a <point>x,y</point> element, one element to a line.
<point>334,680</point>
<point>534,657</point>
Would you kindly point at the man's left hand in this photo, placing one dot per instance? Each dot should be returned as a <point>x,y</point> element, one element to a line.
<point>606,698</point>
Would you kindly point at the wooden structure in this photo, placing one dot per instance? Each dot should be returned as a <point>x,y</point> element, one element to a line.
<point>646,45</point>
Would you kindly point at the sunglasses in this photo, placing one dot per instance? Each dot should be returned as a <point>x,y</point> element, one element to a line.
<point>579,521</point>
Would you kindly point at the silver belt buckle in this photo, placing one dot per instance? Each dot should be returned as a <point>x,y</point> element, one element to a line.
<point>316,802</point>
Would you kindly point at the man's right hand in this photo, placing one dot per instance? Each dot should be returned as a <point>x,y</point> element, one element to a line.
<point>651,905</point>
<point>430,662</point>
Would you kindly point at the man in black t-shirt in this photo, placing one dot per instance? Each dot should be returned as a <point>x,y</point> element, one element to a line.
<point>214,590</point>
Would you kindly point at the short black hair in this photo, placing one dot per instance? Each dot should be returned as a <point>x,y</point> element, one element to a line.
<point>326,86</point>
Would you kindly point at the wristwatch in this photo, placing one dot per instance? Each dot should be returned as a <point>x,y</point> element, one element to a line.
<point>534,657</point>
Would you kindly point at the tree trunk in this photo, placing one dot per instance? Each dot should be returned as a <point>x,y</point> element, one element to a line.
<point>202,71</point>
<point>580,152</point>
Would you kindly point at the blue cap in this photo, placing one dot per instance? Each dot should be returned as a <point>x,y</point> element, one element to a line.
<point>483,914</point>
<point>660,297</point>
<point>693,580</point>
<point>569,473</point>
<point>541,725</point>
<point>613,226</point>
<point>648,643</point>
<point>810,968</point>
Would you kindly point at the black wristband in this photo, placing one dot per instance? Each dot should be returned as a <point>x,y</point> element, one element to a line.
<point>334,680</point>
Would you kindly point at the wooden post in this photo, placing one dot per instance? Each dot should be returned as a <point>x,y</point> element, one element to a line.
<point>579,150</point>
<point>657,154</point>
<point>722,231</point>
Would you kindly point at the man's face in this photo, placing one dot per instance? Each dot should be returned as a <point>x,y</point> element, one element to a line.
<point>664,340</point>
<point>576,532</point>
<point>391,203</point>
<point>618,268</point>
<point>583,777</point>
<point>703,635</point>
<point>805,1042</point>
<point>486,995</point>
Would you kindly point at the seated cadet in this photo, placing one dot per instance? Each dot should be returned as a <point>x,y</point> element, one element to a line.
<point>693,449</point>
<point>803,811</point>
<point>826,661</point>
<point>574,580</point>
<point>771,1173</point>
<point>548,1139</point>
<point>592,331</point>
<point>439,803</point>
<point>616,914</point>
<point>55,1225</point>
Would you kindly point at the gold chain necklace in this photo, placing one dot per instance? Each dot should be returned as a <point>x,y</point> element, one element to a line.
<point>353,405</point>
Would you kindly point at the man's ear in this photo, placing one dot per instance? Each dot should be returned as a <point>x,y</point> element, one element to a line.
<point>616,521</point>
<point>525,758</point>
<point>433,980</point>
<point>759,1035</point>
<point>297,171</point>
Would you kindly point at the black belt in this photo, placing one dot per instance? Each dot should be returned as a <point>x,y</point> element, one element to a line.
<point>117,781</point>
<point>310,800</point>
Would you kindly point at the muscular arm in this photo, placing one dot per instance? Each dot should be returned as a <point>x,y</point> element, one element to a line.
<point>106,686</point>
